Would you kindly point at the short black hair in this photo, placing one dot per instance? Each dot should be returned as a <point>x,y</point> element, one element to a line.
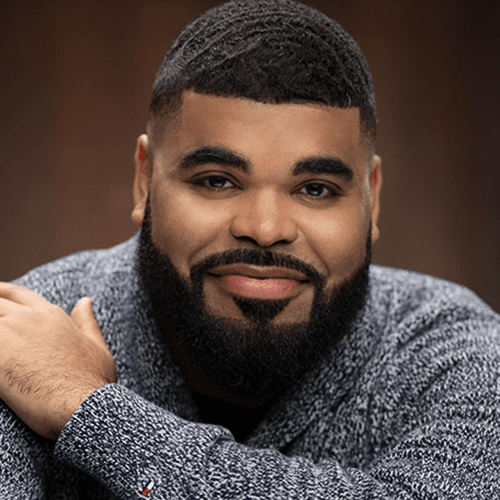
<point>270,51</point>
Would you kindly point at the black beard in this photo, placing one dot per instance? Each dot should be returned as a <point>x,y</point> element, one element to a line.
<point>257,359</point>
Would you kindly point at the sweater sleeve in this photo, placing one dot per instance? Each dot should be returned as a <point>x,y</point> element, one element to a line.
<point>132,447</point>
<point>23,456</point>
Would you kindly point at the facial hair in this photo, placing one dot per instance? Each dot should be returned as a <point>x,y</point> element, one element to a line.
<point>258,357</point>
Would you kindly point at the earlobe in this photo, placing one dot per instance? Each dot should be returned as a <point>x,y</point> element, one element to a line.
<point>142,180</point>
<point>375,188</point>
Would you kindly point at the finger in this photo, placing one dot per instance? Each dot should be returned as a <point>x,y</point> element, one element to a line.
<point>8,307</point>
<point>20,295</point>
<point>83,315</point>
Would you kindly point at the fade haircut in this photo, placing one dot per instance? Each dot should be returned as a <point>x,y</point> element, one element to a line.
<point>270,51</point>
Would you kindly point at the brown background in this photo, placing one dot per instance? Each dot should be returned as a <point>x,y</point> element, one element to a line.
<point>75,87</point>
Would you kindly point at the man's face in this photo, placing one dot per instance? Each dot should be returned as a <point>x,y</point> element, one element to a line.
<point>257,222</point>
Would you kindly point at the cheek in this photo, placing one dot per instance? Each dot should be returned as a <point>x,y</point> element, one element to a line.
<point>339,240</point>
<point>182,227</point>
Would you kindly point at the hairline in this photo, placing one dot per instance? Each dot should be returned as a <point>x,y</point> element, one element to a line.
<point>161,121</point>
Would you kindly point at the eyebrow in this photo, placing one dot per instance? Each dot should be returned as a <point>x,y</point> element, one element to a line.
<point>329,165</point>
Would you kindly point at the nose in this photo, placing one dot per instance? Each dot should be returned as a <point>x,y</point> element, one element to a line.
<point>265,218</point>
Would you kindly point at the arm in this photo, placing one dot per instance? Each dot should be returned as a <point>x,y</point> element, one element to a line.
<point>127,443</point>
<point>49,361</point>
<point>32,332</point>
<point>22,455</point>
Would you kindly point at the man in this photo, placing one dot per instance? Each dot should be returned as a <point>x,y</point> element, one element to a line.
<point>250,349</point>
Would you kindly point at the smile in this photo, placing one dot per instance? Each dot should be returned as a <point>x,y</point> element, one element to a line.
<point>263,283</point>
<point>271,288</point>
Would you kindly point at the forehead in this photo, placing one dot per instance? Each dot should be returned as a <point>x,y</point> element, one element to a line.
<point>265,133</point>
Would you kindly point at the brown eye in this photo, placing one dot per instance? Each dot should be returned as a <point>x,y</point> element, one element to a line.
<point>216,182</point>
<point>318,190</point>
<point>212,182</point>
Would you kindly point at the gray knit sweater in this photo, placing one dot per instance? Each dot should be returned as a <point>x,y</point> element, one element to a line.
<point>406,407</point>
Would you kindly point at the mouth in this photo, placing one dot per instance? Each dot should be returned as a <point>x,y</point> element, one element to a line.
<point>264,283</point>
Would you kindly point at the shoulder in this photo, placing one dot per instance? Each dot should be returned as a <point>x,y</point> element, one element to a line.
<point>407,295</point>
<point>430,330</point>
<point>425,327</point>
<point>65,280</point>
<point>435,356</point>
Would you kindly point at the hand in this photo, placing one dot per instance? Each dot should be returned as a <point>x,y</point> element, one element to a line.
<point>49,362</point>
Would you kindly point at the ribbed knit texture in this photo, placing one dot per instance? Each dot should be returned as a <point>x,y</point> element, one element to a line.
<point>406,407</point>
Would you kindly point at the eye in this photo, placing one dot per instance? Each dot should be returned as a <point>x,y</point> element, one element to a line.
<point>212,182</point>
<point>320,191</point>
<point>219,183</point>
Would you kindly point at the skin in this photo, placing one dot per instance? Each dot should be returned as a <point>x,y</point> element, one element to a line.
<point>267,209</point>
<point>50,362</point>
<point>187,225</point>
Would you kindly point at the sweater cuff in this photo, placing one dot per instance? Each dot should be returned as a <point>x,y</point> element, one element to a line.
<point>129,444</point>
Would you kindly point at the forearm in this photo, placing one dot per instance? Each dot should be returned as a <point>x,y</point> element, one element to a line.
<point>126,443</point>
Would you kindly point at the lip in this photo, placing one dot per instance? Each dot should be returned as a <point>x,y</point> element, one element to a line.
<point>259,272</point>
<point>259,282</point>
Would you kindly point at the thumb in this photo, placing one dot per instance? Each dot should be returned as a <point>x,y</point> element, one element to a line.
<point>83,315</point>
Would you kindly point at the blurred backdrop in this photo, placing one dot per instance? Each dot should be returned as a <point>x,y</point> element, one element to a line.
<point>75,88</point>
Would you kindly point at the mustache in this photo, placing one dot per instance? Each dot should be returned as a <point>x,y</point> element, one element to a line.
<point>265,258</point>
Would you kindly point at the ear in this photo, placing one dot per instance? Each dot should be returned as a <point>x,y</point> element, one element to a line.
<point>142,180</point>
<point>375,187</point>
